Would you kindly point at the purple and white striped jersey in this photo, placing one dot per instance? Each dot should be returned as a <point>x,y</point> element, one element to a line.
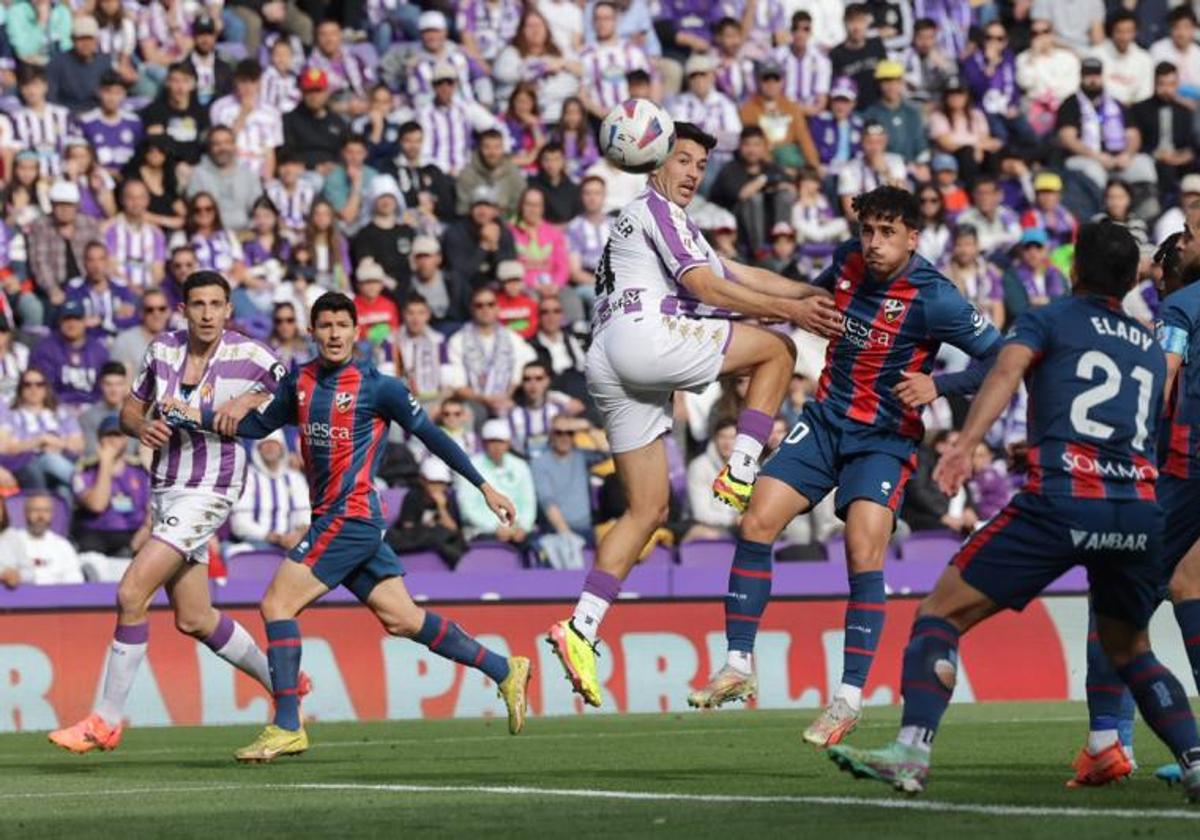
<point>770,17</point>
<point>278,91</point>
<point>716,114</point>
<point>651,246</point>
<point>420,74</point>
<point>136,249</point>
<point>805,77</point>
<point>735,77</point>
<point>45,133</point>
<point>216,253</point>
<point>345,71</point>
<point>195,459</point>
<point>262,130</point>
<point>450,132</point>
<point>587,239</point>
<point>114,140</point>
<point>118,39</point>
<point>492,23</point>
<point>530,427</point>
<point>12,365</point>
<point>293,205</point>
<point>604,69</point>
<point>271,503</point>
<point>157,24</point>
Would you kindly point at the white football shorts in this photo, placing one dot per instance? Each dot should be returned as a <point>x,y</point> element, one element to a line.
<point>637,362</point>
<point>186,520</point>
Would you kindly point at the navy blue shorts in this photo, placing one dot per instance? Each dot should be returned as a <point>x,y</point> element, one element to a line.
<point>1180,502</point>
<point>822,452</point>
<point>1035,539</point>
<point>347,552</point>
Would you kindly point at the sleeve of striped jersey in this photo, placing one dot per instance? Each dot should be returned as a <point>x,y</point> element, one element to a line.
<point>143,385</point>
<point>277,413</point>
<point>1174,328</point>
<point>829,276</point>
<point>950,318</point>
<point>271,371</point>
<point>396,403</point>
<point>674,243</point>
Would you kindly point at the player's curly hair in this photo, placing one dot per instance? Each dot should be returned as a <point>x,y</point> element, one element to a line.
<point>1106,258</point>
<point>888,204</point>
<point>1167,258</point>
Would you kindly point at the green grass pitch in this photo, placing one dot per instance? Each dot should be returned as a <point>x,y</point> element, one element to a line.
<point>999,771</point>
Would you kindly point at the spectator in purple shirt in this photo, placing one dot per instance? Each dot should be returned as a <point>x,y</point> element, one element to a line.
<point>38,439</point>
<point>108,307</point>
<point>990,487</point>
<point>113,131</point>
<point>574,133</point>
<point>990,74</point>
<point>70,358</point>
<point>113,496</point>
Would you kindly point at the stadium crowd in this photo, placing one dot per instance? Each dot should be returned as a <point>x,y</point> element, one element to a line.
<point>438,161</point>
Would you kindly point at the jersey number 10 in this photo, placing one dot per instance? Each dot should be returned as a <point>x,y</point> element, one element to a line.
<point>1091,363</point>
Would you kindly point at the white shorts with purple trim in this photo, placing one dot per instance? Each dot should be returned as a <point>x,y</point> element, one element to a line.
<point>186,520</point>
<point>638,361</point>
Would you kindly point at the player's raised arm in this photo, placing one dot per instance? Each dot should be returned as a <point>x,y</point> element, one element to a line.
<point>254,419</point>
<point>397,403</point>
<point>814,313</point>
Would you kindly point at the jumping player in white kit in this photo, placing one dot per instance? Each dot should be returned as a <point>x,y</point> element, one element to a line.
<point>665,320</point>
<point>196,477</point>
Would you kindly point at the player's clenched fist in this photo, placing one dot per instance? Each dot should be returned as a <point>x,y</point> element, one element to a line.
<point>499,504</point>
<point>154,433</point>
<point>818,314</point>
<point>915,389</point>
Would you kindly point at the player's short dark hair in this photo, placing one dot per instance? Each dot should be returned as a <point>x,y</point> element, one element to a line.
<point>1119,16</point>
<point>889,203</point>
<point>1106,258</point>
<point>693,132</point>
<point>111,368</point>
<point>1168,258</point>
<point>409,127</point>
<point>333,302</point>
<point>203,278</point>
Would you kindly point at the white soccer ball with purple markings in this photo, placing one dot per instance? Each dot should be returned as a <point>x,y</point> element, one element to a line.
<point>637,135</point>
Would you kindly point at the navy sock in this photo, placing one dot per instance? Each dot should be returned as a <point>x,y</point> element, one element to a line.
<point>447,639</point>
<point>1110,703</point>
<point>283,657</point>
<point>930,671</point>
<point>1187,613</point>
<point>1163,704</point>
<point>864,626</point>
<point>749,591</point>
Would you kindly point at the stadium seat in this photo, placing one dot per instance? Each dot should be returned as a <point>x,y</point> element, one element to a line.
<point>391,498</point>
<point>60,522</point>
<point>253,565</point>
<point>929,544</point>
<point>706,553</point>
<point>423,561</point>
<point>232,51</point>
<point>491,556</point>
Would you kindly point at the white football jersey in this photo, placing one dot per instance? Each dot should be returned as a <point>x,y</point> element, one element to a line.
<point>650,247</point>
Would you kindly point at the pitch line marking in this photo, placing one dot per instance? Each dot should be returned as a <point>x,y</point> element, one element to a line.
<point>922,805</point>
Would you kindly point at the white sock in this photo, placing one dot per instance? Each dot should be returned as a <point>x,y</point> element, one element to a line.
<point>243,653</point>
<point>124,659</point>
<point>852,694</point>
<point>916,736</point>
<point>1101,739</point>
<point>740,660</point>
<point>589,612</point>
<point>743,463</point>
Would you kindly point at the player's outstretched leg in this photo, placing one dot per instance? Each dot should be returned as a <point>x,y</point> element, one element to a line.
<point>643,475</point>
<point>1108,755</point>
<point>773,505</point>
<point>391,603</point>
<point>769,358</point>
<point>154,566</point>
<point>868,529</point>
<point>1185,594</point>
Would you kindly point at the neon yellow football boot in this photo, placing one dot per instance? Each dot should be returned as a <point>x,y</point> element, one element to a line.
<point>730,491</point>
<point>514,691</point>
<point>273,742</point>
<point>578,658</point>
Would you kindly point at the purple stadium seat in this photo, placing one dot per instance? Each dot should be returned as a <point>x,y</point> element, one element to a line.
<point>423,561</point>
<point>60,522</point>
<point>253,565</point>
<point>488,556</point>
<point>232,51</point>
<point>706,553</point>
<point>391,498</point>
<point>922,545</point>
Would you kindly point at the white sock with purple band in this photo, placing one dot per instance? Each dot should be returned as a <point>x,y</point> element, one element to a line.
<point>753,430</point>
<point>124,658</point>
<point>235,645</point>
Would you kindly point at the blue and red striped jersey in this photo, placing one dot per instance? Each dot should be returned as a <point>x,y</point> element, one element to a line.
<point>1095,399</point>
<point>1178,332</point>
<point>892,326</point>
<point>344,413</point>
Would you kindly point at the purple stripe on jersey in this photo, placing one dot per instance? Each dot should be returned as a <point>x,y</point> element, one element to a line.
<point>275,507</point>
<point>225,471</point>
<point>247,369</point>
<point>662,217</point>
<point>257,509</point>
<point>174,452</point>
<point>199,459</point>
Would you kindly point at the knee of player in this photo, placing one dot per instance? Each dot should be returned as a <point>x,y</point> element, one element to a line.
<point>132,600</point>
<point>191,624</point>
<point>790,347</point>
<point>757,528</point>
<point>864,553</point>
<point>404,625</point>
<point>1184,586</point>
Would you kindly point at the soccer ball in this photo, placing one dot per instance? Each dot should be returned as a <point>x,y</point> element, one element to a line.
<point>637,136</point>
